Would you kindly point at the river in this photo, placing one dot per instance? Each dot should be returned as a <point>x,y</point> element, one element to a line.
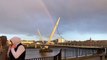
<point>66,52</point>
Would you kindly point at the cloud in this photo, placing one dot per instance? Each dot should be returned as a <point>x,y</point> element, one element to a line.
<point>22,17</point>
<point>26,16</point>
<point>86,16</point>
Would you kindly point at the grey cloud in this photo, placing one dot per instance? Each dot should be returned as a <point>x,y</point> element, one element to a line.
<point>86,16</point>
<point>26,16</point>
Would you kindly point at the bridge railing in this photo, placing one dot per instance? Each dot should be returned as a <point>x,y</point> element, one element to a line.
<point>42,58</point>
<point>56,57</point>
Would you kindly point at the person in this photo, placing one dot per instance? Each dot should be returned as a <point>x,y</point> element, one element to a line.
<point>0,49</point>
<point>3,48</point>
<point>16,50</point>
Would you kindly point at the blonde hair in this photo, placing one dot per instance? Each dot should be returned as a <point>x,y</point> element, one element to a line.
<point>15,40</point>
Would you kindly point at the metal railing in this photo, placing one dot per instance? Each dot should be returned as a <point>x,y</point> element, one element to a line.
<point>66,53</point>
<point>56,57</point>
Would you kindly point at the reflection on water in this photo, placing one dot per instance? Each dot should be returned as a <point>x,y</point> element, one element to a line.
<point>34,53</point>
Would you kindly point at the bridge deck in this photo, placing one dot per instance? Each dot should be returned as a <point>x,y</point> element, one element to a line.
<point>73,46</point>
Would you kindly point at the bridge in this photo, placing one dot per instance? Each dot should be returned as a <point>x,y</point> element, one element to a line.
<point>71,52</point>
<point>77,51</point>
<point>72,46</point>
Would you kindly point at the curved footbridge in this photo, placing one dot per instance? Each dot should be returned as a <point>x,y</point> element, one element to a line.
<point>71,52</point>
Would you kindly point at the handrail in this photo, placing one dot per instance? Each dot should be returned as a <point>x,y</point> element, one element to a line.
<point>56,57</point>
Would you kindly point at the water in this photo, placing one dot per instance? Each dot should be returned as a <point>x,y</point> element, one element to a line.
<point>66,53</point>
<point>34,53</point>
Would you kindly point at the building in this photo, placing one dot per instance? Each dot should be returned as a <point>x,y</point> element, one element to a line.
<point>61,40</point>
<point>27,41</point>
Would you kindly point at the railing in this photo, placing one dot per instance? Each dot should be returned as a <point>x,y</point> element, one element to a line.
<point>42,58</point>
<point>77,52</point>
<point>66,53</point>
<point>56,57</point>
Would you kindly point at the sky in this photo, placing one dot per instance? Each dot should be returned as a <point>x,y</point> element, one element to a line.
<point>80,19</point>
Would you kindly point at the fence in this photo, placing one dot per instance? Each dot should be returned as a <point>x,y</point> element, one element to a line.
<point>56,57</point>
<point>66,53</point>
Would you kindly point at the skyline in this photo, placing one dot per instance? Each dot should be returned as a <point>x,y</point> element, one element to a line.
<point>80,20</point>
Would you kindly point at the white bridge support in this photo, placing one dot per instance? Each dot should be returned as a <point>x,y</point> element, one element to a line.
<point>54,30</point>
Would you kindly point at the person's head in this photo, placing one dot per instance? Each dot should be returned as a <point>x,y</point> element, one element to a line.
<point>15,40</point>
<point>0,38</point>
<point>3,40</point>
<point>0,41</point>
